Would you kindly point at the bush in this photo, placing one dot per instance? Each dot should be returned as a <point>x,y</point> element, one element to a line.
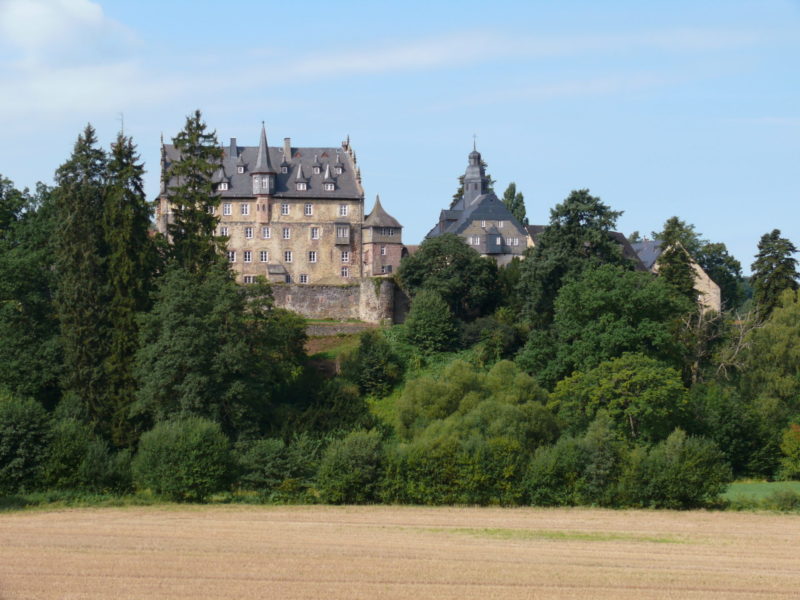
<point>554,475</point>
<point>185,459</point>
<point>680,472</point>
<point>373,366</point>
<point>430,325</point>
<point>790,446</point>
<point>24,435</point>
<point>350,470</point>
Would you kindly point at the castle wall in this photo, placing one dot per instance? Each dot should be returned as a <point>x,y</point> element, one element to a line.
<point>369,300</point>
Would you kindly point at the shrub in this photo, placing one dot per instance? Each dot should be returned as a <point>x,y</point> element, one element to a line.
<point>430,324</point>
<point>24,434</point>
<point>680,472</point>
<point>554,475</point>
<point>185,459</point>
<point>373,366</point>
<point>350,469</point>
<point>790,446</point>
<point>263,464</point>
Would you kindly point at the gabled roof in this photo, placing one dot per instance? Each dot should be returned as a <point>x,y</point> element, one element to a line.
<point>379,217</point>
<point>648,251</point>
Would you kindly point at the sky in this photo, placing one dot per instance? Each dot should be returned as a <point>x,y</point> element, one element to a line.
<point>687,108</point>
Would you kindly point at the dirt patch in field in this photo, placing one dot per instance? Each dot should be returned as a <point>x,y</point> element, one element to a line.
<point>395,552</point>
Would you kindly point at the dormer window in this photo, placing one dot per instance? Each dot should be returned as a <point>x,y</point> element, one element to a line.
<point>328,187</point>
<point>284,169</point>
<point>337,170</point>
<point>302,186</point>
<point>256,184</point>
<point>316,170</point>
<point>222,186</point>
<point>500,224</point>
<point>240,170</point>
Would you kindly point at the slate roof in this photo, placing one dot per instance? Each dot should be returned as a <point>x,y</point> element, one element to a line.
<point>240,184</point>
<point>648,251</point>
<point>379,217</point>
<point>486,207</point>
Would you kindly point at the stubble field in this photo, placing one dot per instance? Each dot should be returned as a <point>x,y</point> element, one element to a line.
<point>395,552</point>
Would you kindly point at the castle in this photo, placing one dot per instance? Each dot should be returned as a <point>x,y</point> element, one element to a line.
<point>296,215</point>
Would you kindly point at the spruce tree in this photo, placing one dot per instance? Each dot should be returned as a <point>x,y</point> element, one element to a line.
<point>515,203</point>
<point>131,266</point>
<point>82,289</point>
<point>675,267</point>
<point>189,184</point>
<point>774,270</point>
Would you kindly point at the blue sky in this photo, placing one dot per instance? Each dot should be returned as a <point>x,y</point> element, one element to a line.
<point>660,108</point>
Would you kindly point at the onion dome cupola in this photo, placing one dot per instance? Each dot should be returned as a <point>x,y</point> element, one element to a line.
<point>262,173</point>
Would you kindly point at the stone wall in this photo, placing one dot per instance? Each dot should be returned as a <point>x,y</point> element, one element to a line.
<point>370,300</point>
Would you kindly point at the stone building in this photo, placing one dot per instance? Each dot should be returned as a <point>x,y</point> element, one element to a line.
<point>709,296</point>
<point>482,219</point>
<point>295,215</point>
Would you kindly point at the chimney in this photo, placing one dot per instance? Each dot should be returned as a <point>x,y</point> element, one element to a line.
<point>287,149</point>
<point>234,151</point>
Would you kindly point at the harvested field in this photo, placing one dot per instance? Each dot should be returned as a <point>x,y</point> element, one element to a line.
<point>395,552</point>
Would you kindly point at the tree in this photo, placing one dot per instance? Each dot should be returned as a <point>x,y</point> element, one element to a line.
<point>191,192</point>
<point>30,350</point>
<point>515,203</point>
<point>577,237</point>
<point>373,366</point>
<point>212,348</point>
<point>675,262</point>
<point>447,265</point>
<point>430,325</point>
<point>604,313</point>
<point>725,271</point>
<point>131,268</point>
<point>643,397</point>
<point>677,230</point>
<point>350,469</point>
<point>774,270</point>
<point>83,292</point>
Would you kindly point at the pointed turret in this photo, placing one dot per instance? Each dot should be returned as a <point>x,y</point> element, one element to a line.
<point>379,217</point>
<point>475,181</point>
<point>299,175</point>
<point>263,164</point>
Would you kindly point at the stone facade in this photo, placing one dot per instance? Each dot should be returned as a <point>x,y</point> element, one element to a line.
<point>371,300</point>
<point>293,215</point>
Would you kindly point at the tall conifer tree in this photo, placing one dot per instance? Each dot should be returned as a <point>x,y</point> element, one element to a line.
<point>774,270</point>
<point>515,203</point>
<point>189,184</point>
<point>82,288</point>
<point>131,265</point>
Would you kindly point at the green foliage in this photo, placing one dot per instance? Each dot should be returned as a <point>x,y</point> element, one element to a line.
<point>601,315</point>
<point>515,203</point>
<point>24,435</point>
<point>725,271</point>
<point>132,262</point>
<point>790,446</point>
<point>30,349</point>
<point>577,238</point>
<point>78,460</point>
<point>448,266</point>
<point>774,271</point>
<point>643,397</point>
<point>351,468</point>
<point>373,366</point>
<point>184,459</point>
<point>191,191</point>
<point>495,338</point>
<point>719,413</point>
<point>679,472</point>
<point>430,326</point>
<point>83,292</point>
<point>675,267</point>
<point>215,349</point>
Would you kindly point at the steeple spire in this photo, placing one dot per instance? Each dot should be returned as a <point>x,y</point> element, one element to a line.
<point>263,164</point>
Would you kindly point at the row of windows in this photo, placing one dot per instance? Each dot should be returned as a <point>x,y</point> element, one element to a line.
<point>288,256</point>
<point>345,272</point>
<point>308,210</point>
<point>475,240</point>
<point>500,224</point>
<point>342,231</point>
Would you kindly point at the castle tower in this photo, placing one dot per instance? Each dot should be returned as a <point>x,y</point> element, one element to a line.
<point>383,243</point>
<point>263,178</point>
<point>475,181</point>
